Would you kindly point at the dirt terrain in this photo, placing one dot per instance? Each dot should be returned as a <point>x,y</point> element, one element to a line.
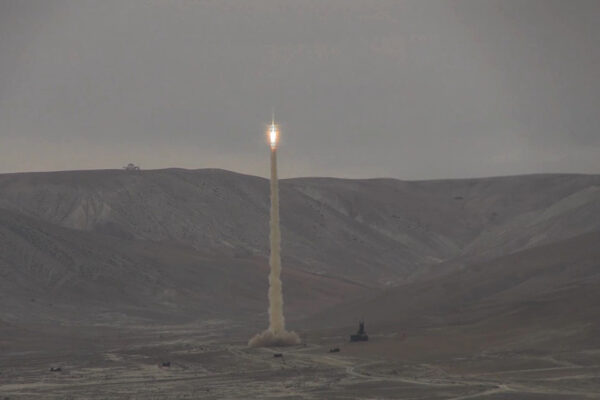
<point>211,360</point>
<point>471,289</point>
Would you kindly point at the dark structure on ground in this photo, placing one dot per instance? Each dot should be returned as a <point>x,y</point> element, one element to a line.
<point>334,350</point>
<point>361,335</point>
<point>131,167</point>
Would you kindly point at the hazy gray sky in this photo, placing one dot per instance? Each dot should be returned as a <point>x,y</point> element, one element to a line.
<point>405,89</point>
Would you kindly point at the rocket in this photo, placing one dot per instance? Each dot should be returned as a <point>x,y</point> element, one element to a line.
<point>275,335</point>
<point>273,133</point>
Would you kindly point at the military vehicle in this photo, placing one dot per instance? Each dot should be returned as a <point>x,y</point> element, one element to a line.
<point>131,167</point>
<point>361,335</point>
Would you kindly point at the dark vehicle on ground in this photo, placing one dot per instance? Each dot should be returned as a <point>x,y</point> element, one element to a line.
<point>361,335</point>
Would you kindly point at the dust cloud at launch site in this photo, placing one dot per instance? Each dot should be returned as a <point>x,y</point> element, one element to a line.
<point>275,335</point>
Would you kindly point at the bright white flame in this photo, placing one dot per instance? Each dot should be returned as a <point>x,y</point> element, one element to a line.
<point>273,135</point>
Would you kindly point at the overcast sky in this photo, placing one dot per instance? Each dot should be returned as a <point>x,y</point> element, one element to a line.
<point>404,89</point>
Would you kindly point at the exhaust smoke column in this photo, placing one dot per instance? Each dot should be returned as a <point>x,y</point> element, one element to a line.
<point>276,321</point>
<point>276,335</point>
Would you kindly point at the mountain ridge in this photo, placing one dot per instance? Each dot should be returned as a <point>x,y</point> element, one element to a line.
<point>356,235</point>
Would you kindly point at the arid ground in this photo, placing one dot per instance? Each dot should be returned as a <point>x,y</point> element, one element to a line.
<point>470,289</point>
<point>211,360</point>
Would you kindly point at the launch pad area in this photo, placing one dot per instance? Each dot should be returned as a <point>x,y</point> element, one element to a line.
<point>211,360</point>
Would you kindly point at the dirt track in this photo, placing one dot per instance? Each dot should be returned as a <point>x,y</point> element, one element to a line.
<point>207,365</point>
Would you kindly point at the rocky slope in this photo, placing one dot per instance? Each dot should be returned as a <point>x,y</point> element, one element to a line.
<point>194,242</point>
<point>548,290</point>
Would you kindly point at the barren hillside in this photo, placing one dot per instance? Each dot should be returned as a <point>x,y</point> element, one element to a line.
<point>183,243</point>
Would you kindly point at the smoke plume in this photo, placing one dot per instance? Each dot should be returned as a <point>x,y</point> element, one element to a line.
<point>276,335</point>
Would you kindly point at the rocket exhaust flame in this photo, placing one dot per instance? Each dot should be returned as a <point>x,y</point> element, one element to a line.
<point>276,335</point>
<point>273,135</point>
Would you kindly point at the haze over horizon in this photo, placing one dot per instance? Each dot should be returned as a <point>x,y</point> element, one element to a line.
<point>408,90</point>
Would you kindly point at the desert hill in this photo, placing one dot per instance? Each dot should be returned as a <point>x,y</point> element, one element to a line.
<point>50,273</point>
<point>176,243</point>
<point>545,296</point>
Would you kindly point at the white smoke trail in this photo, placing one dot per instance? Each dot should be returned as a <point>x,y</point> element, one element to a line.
<point>276,320</point>
<point>276,335</point>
